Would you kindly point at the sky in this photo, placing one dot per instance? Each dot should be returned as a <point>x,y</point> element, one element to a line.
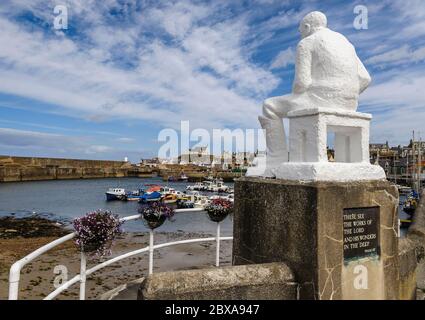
<point>125,69</point>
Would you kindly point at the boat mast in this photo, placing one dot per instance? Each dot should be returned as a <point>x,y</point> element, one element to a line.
<point>394,169</point>
<point>413,161</point>
<point>419,165</point>
<point>407,165</point>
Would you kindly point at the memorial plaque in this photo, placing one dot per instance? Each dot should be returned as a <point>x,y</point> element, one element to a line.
<point>361,232</point>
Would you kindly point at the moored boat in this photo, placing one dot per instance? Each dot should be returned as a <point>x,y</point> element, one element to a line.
<point>185,204</point>
<point>150,197</point>
<point>199,186</point>
<point>115,194</point>
<point>411,202</point>
<point>169,198</point>
<point>183,177</point>
<point>153,188</point>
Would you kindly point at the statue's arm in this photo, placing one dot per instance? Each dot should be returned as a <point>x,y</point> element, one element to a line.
<point>364,76</point>
<point>302,79</point>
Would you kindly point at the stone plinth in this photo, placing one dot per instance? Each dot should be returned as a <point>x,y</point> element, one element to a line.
<point>302,224</point>
<point>272,281</point>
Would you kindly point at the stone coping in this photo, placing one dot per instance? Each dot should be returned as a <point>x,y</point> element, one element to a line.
<point>329,171</point>
<point>253,281</point>
<point>317,184</point>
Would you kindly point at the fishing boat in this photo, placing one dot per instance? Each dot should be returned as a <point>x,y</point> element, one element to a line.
<point>199,186</point>
<point>411,202</point>
<point>130,197</point>
<point>185,204</point>
<point>410,206</point>
<point>115,194</point>
<point>228,197</point>
<point>150,197</point>
<point>405,223</point>
<point>183,177</point>
<point>153,188</point>
<point>208,185</point>
<point>179,194</point>
<point>218,186</point>
<point>169,198</point>
<point>134,195</point>
<point>201,201</point>
<point>166,190</point>
<point>403,189</point>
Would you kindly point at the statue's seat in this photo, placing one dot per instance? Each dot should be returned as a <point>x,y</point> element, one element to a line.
<point>309,129</point>
<point>308,159</point>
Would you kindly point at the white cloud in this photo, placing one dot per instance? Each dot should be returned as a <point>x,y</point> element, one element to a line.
<point>400,55</point>
<point>182,60</point>
<point>283,59</point>
<point>125,140</point>
<point>207,69</point>
<point>398,107</point>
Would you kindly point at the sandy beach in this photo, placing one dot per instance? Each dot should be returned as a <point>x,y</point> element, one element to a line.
<point>38,277</point>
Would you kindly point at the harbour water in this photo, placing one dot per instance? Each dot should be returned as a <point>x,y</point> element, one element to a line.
<point>63,200</point>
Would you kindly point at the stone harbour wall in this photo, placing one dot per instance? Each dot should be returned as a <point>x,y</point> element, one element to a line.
<point>14,169</point>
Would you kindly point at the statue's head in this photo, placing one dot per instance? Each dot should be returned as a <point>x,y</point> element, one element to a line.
<point>312,22</point>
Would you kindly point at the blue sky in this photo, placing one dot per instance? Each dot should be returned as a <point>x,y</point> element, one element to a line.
<point>125,69</point>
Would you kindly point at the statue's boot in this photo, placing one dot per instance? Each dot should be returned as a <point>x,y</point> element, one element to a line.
<point>277,151</point>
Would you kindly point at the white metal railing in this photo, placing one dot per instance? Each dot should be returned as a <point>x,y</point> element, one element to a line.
<point>15,270</point>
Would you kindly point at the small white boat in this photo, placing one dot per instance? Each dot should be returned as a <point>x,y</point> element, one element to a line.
<point>193,193</point>
<point>229,197</point>
<point>201,201</point>
<point>403,189</point>
<point>166,190</point>
<point>199,186</point>
<point>115,194</point>
<point>183,177</point>
<point>216,185</point>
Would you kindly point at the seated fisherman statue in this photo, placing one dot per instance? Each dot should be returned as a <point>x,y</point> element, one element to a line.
<point>328,74</point>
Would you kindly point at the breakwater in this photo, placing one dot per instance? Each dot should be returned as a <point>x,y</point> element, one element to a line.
<point>32,169</point>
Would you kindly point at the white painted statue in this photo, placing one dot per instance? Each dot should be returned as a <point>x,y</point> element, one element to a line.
<point>328,76</point>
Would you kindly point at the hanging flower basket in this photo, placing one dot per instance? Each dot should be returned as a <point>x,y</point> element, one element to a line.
<point>96,231</point>
<point>155,213</point>
<point>219,209</point>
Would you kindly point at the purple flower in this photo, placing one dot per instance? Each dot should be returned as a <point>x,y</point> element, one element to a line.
<point>155,214</point>
<point>96,231</point>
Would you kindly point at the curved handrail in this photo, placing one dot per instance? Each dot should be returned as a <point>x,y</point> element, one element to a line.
<point>15,270</point>
<point>102,265</point>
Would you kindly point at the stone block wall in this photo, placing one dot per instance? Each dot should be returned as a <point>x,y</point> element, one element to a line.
<point>273,281</point>
<point>33,169</point>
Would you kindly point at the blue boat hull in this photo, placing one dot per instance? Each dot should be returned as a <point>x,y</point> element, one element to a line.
<point>150,197</point>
